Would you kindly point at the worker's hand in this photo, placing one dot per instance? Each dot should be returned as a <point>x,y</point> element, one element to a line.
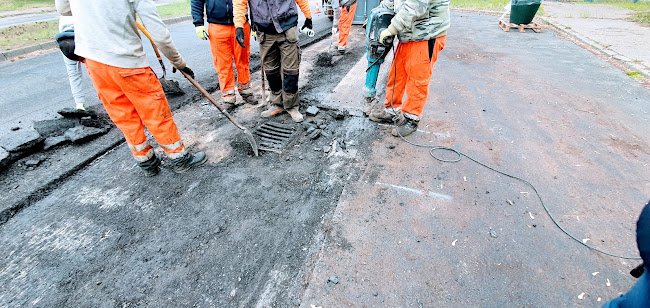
<point>239,35</point>
<point>347,7</point>
<point>335,30</point>
<point>185,70</point>
<point>390,31</point>
<point>308,24</point>
<point>202,33</point>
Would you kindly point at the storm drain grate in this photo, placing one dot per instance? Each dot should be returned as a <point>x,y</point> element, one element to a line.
<point>274,136</point>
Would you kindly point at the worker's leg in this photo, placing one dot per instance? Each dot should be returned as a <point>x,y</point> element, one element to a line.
<point>120,109</point>
<point>74,76</point>
<point>242,62</point>
<point>222,41</point>
<point>637,296</point>
<point>290,58</point>
<point>419,67</point>
<point>270,54</point>
<point>345,24</point>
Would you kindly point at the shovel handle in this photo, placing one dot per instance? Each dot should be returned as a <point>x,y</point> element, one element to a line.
<point>211,99</point>
<point>155,48</point>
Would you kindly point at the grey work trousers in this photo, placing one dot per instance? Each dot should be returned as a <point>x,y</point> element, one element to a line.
<point>281,59</point>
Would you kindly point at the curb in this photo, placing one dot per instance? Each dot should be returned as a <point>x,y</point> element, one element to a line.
<point>599,48</point>
<point>13,54</point>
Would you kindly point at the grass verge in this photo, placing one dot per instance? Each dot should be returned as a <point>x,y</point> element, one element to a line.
<point>635,75</point>
<point>14,5</point>
<point>490,5</point>
<point>642,18</point>
<point>28,34</point>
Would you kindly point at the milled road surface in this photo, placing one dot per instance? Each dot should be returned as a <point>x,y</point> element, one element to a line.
<point>395,227</point>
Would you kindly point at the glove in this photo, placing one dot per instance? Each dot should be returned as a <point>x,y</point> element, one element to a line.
<point>185,70</point>
<point>347,7</point>
<point>239,35</point>
<point>202,33</point>
<point>335,30</point>
<point>308,24</point>
<point>388,32</point>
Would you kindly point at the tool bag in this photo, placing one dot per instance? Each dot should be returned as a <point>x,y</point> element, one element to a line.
<point>65,40</point>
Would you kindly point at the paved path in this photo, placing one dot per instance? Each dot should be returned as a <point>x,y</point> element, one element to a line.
<point>606,27</point>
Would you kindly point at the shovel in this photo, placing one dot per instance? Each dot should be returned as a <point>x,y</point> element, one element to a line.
<point>207,95</point>
<point>169,86</point>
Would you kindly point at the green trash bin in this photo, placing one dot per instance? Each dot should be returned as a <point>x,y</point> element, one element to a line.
<point>523,11</point>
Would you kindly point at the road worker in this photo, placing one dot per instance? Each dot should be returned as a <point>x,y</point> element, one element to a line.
<point>344,11</point>
<point>421,26</point>
<point>221,33</point>
<point>276,24</point>
<point>107,37</point>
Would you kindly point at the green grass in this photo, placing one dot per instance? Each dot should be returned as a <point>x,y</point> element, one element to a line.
<point>39,32</point>
<point>174,9</point>
<point>639,6</point>
<point>635,75</point>
<point>13,5</point>
<point>642,18</point>
<point>490,5</point>
<point>28,34</point>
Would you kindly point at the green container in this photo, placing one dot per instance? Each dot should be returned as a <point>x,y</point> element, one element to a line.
<point>523,12</point>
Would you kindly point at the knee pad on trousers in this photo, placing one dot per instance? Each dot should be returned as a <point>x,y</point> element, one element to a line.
<point>274,79</point>
<point>290,81</point>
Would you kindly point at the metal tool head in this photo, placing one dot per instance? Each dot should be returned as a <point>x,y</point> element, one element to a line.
<point>252,141</point>
<point>378,20</point>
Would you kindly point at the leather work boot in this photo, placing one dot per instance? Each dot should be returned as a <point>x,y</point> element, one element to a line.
<point>405,127</point>
<point>229,101</point>
<point>150,167</point>
<point>295,114</point>
<point>248,96</point>
<point>368,105</point>
<point>188,161</point>
<point>381,114</point>
<point>273,110</point>
<point>341,50</point>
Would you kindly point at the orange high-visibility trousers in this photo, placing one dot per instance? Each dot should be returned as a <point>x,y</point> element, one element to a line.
<point>345,24</point>
<point>410,72</point>
<point>133,96</point>
<point>225,48</point>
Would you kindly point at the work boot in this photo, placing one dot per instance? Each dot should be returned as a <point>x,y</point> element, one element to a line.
<point>248,96</point>
<point>80,106</point>
<point>341,50</point>
<point>188,161</point>
<point>368,104</point>
<point>405,126</point>
<point>273,110</point>
<point>150,167</point>
<point>382,114</point>
<point>295,114</point>
<point>229,101</point>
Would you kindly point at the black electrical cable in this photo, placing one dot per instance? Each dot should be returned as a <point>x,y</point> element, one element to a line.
<point>461,155</point>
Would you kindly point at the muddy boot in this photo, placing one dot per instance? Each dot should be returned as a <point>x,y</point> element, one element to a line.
<point>295,114</point>
<point>150,167</point>
<point>248,96</point>
<point>188,161</point>
<point>381,114</point>
<point>273,110</point>
<point>368,105</point>
<point>229,101</point>
<point>405,126</point>
<point>341,50</point>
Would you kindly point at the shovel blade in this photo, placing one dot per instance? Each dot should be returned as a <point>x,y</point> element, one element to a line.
<point>171,87</point>
<point>252,141</point>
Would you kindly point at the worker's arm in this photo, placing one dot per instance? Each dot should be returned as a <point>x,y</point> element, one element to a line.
<point>159,32</point>
<point>198,8</point>
<point>336,7</point>
<point>63,7</point>
<point>304,7</point>
<point>408,13</point>
<point>239,9</point>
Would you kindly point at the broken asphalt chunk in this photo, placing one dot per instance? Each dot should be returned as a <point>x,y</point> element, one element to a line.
<point>315,134</point>
<point>54,127</point>
<point>312,111</point>
<point>4,157</point>
<point>23,140</point>
<point>76,113</point>
<point>55,141</point>
<point>80,134</point>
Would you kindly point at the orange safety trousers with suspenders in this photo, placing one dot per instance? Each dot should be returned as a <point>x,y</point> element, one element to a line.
<point>225,49</point>
<point>410,73</point>
<point>345,23</point>
<point>134,98</point>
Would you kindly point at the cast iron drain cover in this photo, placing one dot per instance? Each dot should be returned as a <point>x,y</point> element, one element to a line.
<point>274,136</point>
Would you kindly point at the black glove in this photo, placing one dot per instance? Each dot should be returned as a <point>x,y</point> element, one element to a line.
<point>308,24</point>
<point>185,70</point>
<point>347,7</point>
<point>239,35</point>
